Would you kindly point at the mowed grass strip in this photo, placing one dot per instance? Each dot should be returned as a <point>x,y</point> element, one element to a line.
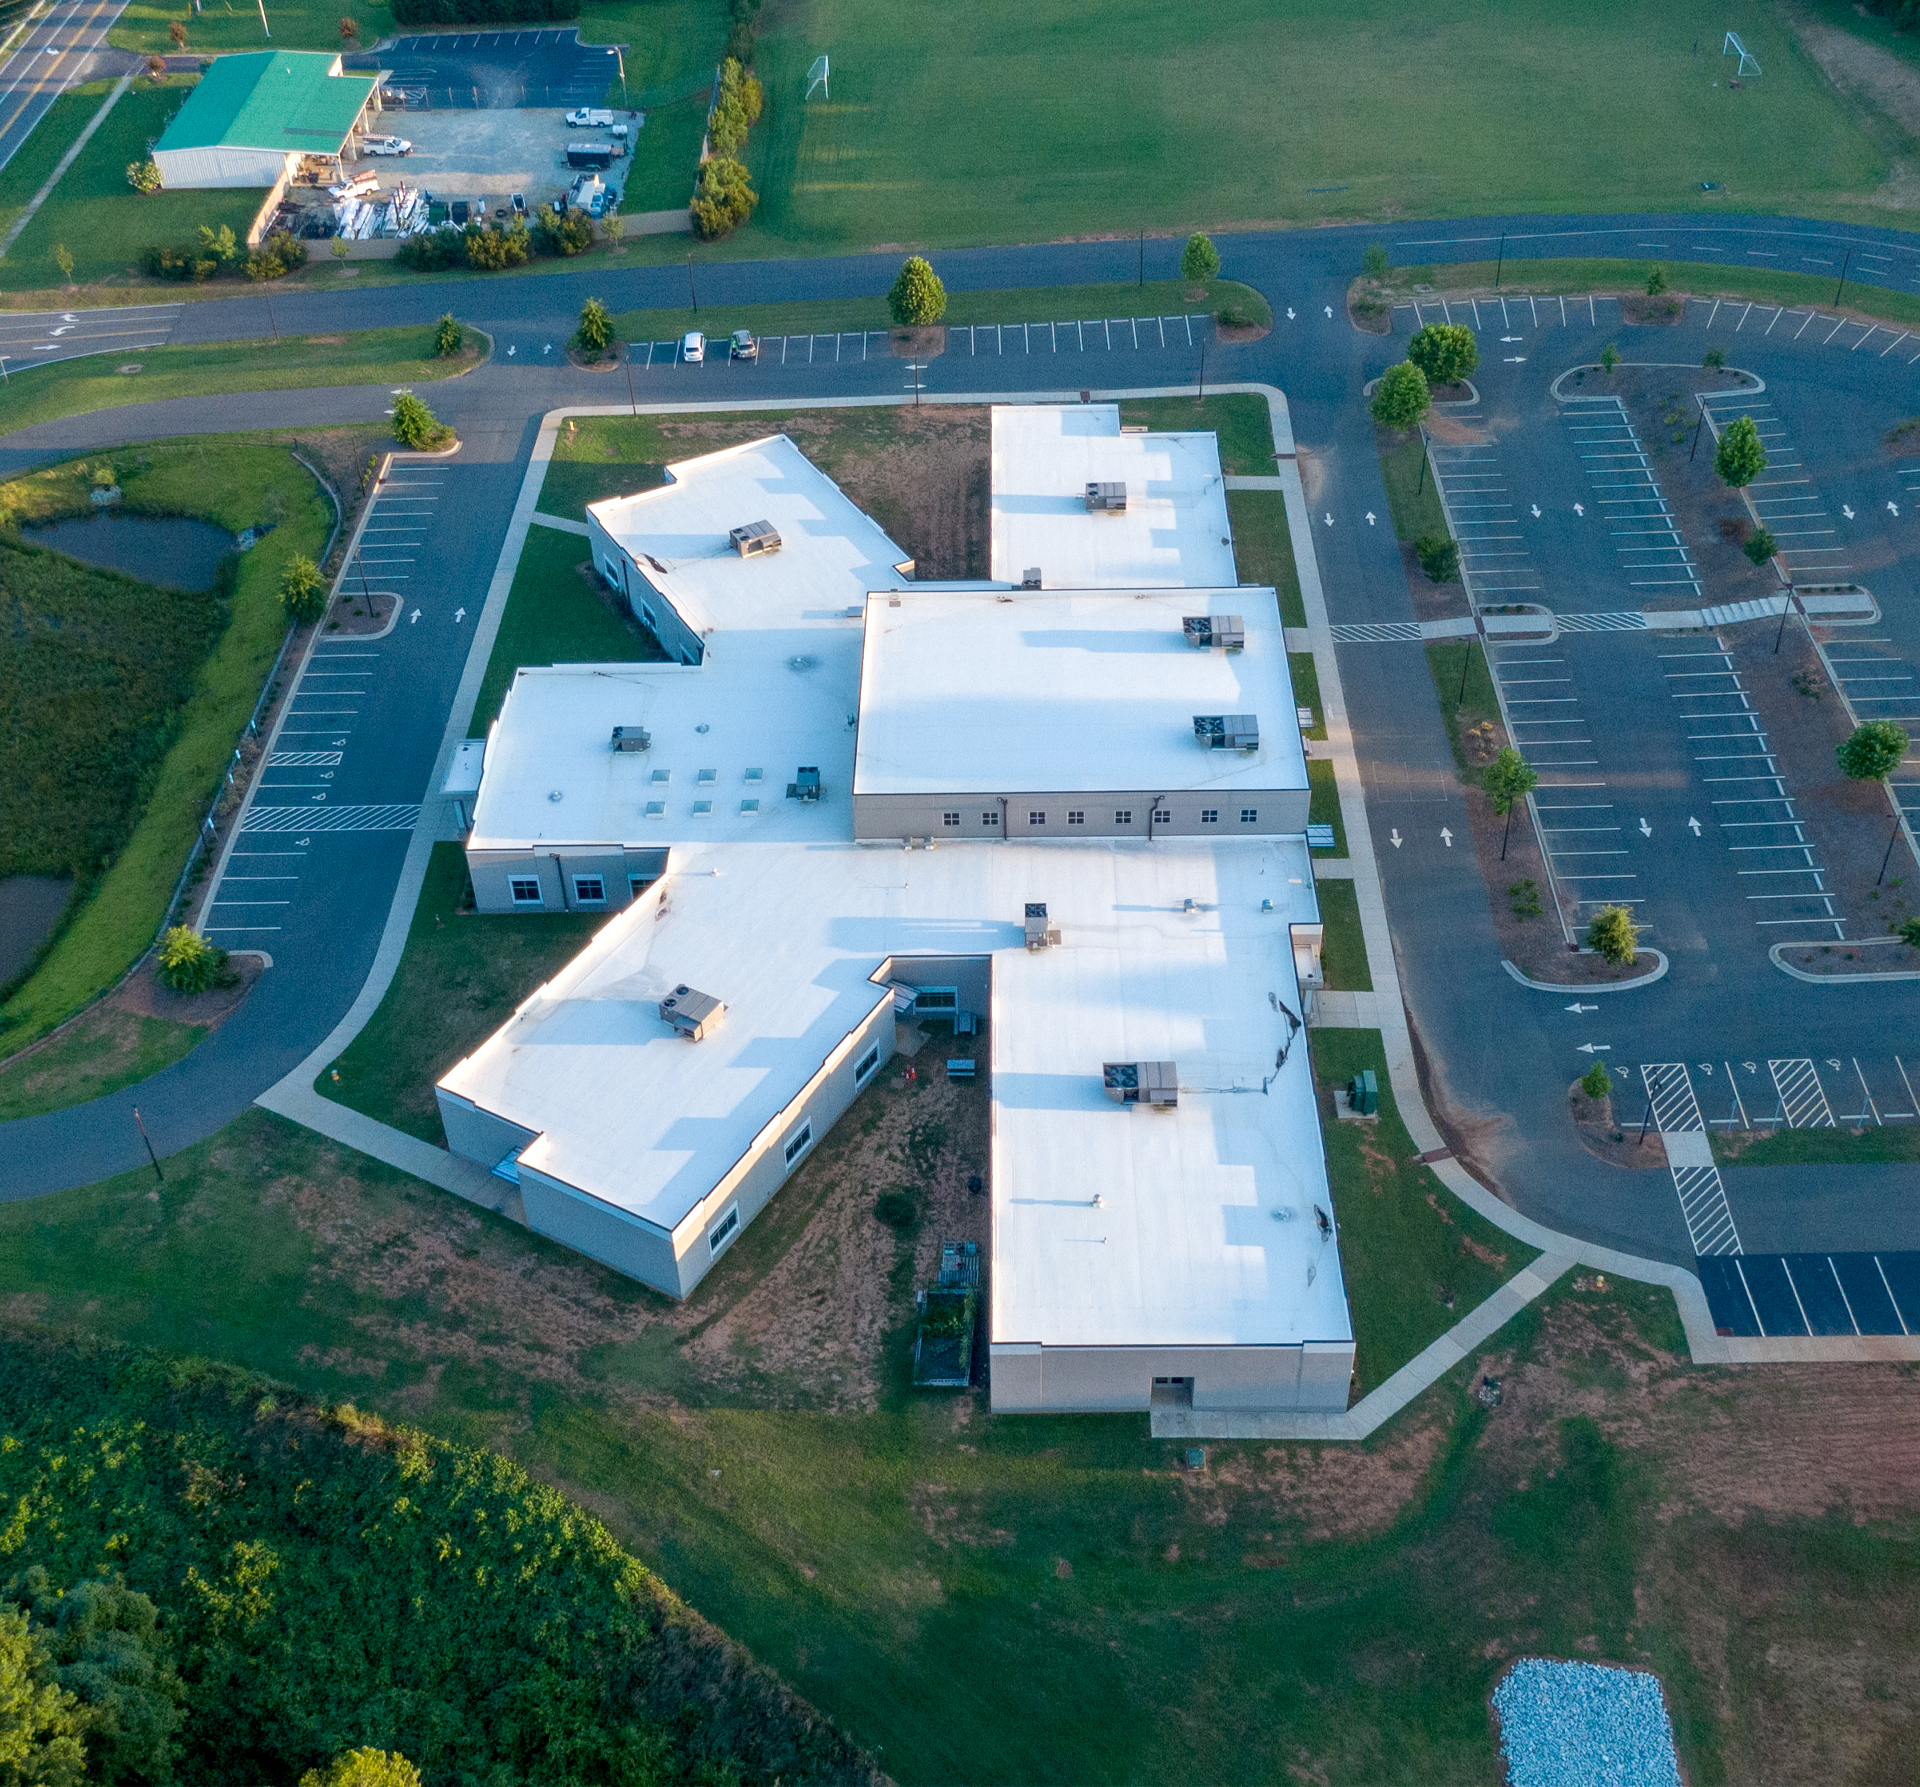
<point>294,363</point>
<point>1264,111</point>
<point>1412,499</point>
<point>1263,548</point>
<point>1344,948</point>
<point>51,138</point>
<point>236,486</point>
<point>101,221</point>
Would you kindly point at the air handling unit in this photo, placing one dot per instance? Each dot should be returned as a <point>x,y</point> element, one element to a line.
<point>1227,732</point>
<point>755,539</point>
<point>691,1014</point>
<point>1155,1083</point>
<point>632,738</point>
<point>1206,631</point>
<point>1107,499</point>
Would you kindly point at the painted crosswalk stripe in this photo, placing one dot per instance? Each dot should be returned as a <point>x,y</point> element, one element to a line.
<point>321,818</point>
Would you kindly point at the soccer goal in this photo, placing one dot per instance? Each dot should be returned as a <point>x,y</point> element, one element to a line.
<point>817,77</point>
<point>1734,47</point>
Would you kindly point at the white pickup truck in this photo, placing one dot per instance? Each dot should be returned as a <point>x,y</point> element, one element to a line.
<point>590,118</point>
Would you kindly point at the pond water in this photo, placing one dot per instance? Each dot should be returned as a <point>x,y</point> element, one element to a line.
<point>175,552</point>
<point>30,906</point>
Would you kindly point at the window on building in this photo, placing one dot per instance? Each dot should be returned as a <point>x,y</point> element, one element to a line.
<point>1036,818</point>
<point>989,818</point>
<point>937,999</point>
<point>613,572</point>
<point>525,890</point>
<point>800,1143</point>
<point>646,615</point>
<point>589,890</point>
<point>1249,815</point>
<point>1209,815</point>
<point>949,818</point>
<point>723,1231</point>
<point>638,884</point>
<point>868,1062</point>
<point>1161,816</point>
<point>1076,817</point>
<point>1123,815</point>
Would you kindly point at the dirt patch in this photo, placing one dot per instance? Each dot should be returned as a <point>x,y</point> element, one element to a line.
<point>1230,333</point>
<point>1458,391</point>
<point>1315,1492</point>
<point>358,611</point>
<point>1637,307</point>
<point>582,362</point>
<point>926,341</point>
<point>147,997</point>
<point>328,340</point>
<point>1862,70</point>
<point>1903,439</point>
<point>1605,1138</point>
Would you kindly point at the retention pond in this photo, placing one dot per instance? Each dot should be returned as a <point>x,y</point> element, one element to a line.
<point>172,551</point>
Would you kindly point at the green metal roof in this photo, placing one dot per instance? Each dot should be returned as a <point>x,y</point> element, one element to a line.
<point>283,100</point>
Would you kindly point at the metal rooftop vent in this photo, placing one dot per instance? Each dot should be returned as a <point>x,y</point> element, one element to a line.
<point>1227,732</point>
<point>1142,1082</point>
<point>1228,631</point>
<point>805,785</point>
<point>1111,498</point>
<point>632,738</point>
<point>1030,577</point>
<point>1039,935</point>
<point>692,1014</point>
<point>755,538</point>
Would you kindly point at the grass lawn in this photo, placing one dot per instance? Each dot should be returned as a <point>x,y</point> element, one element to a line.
<point>1359,111</point>
<point>1344,950</point>
<point>1412,499</point>
<point>1323,803</point>
<point>97,1057</point>
<point>554,616</point>
<point>52,137</point>
<point>1306,690</point>
<point>1064,304</point>
<point>370,356</point>
<point>1263,548</point>
<point>1818,1147</point>
<point>1760,285</point>
<point>101,220</point>
<point>1444,662</point>
<point>224,26</point>
<point>666,158</point>
<point>1241,420</point>
<point>236,485</point>
<point>459,980</point>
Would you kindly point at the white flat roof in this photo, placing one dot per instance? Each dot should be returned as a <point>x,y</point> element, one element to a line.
<point>831,553</point>
<point>1174,529</point>
<point>1069,691</point>
<point>1206,1232</point>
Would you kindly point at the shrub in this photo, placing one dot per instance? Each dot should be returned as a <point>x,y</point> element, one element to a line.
<point>416,426</point>
<point>1656,283</point>
<point>1199,260</point>
<point>349,28</point>
<point>1740,457</point>
<point>447,337</point>
<point>1874,751</point>
<point>144,176</point>
<point>917,296</point>
<point>276,257</point>
<point>1233,317</point>
<point>896,1209</point>
<point>1909,931</point>
<point>1614,935</point>
<point>1401,398</point>
<point>722,200</point>
<point>566,235</point>
<point>493,251</point>
<point>63,259</point>
<point>1445,352</point>
<point>596,328</point>
<point>1714,359</point>
<point>736,107</point>
<point>1596,1082</point>
<point>1609,359</point>
<point>177,32</point>
<point>189,963</point>
<point>431,250</point>
<point>1373,263</point>
<point>1760,546</point>
<point>1439,557</point>
<point>303,592</point>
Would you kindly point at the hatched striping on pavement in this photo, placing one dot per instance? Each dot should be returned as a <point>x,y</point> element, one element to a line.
<point>1377,632</point>
<point>1696,1180</point>
<point>303,759</point>
<point>346,818</point>
<point>1803,1100</point>
<point>1617,621</point>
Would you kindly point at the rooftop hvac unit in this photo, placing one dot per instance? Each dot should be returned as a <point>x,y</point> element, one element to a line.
<point>1039,936</point>
<point>692,1014</point>
<point>1143,1082</point>
<point>1110,498</point>
<point>755,538</point>
<point>806,785</point>
<point>1030,577</point>
<point>632,738</point>
<point>1227,732</point>
<point>1227,631</point>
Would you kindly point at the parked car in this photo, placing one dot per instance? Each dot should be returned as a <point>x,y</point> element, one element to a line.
<point>694,348</point>
<point>743,346</point>
<point>386,146</point>
<point>519,203</point>
<point>590,118</point>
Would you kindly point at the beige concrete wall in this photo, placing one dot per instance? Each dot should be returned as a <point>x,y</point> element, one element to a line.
<point>1030,1379</point>
<point>639,1249</point>
<point>1281,812</point>
<point>479,1135</point>
<point>493,870</point>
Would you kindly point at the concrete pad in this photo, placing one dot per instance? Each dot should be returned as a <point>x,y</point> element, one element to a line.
<point>461,154</point>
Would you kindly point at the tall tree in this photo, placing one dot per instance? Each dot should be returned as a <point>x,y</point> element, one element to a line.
<point>917,297</point>
<point>1401,397</point>
<point>1445,352</point>
<point>1199,260</point>
<point>1506,779</point>
<point>1740,457</point>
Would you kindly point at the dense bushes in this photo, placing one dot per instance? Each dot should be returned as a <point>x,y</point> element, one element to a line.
<point>492,251</point>
<point>481,12</point>
<point>220,251</point>
<point>740,33</point>
<point>736,109</point>
<point>723,198</point>
<point>325,1581</point>
<point>568,233</point>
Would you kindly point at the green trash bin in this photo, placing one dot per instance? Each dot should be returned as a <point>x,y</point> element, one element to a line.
<point>1363,1094</point>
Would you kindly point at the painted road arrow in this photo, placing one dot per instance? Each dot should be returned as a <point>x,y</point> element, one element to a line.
<point>414,618</point>
<point>1369,518</point>
<point>1329,521</point>
<point>1576,1006</point>
<point>1693,825</point>
<point>459,614</point>
<point>1846,511</point>
<point>1395,839</point>
<point>1329,310</point>
<point>1289,313</point>
<point>1589,1048</point>
<point>1536,510</point>
<point>1580,509</point>
<point>1646,830</point>
<point>1446,837</point>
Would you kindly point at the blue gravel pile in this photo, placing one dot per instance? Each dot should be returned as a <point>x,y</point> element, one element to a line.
<point>1584,1725</point>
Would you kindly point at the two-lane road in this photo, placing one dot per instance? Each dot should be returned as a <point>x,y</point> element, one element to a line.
<point>47,60</point>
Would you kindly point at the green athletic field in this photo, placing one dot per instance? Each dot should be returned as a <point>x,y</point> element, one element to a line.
<point>1004,123</point>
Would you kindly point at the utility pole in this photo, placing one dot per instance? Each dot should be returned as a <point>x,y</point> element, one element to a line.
<point>1842,286</point>
<point>1143,259</point>
<point>263,20</point>
<point>1653,1086</point>
<point>1695,448</point>
<point>626,360</point>
<point>1500,263</point>
<point>1786,608</point>
<point>691,293</point>
<point>1890,844</point>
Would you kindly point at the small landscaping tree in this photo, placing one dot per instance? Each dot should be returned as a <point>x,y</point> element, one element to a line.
<point>447,337</point>
<point>1401,397</point>
<point>1874,751</point>
<point>221,245</point>
<point>303,592</point>
<point>1656,283</point>
<point>1909,932</point>
<point>596,328</point>
<point>188,963</point>
<point>1714,359</point>
<point>1761,545</point>
<point>339,250</point>
<point>1439,557</point>
<point>416,426</point>
<point>1199,260</point>
<point>723,198</point>
<point>177,31</point>
<point>1596,1082</point>
<point>349,28</point>
<point>1374,263</point>
<point>157,67</point>
<point>1445,352</point>
<point>1609,359</point>
<point>1614,936</point>
<point>144,176</point>
<point>613,226</point>
<point>1740,457</point>
<point>917,297</point>
<point>1506,779</point>
<point>63,259</point>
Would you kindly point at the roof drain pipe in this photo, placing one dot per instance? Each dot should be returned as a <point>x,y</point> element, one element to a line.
<point>559,868</point>
<point>1153,812</point>
<point>1004,838</point>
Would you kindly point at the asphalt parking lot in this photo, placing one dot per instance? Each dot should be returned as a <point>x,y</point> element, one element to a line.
<point>494,69</point>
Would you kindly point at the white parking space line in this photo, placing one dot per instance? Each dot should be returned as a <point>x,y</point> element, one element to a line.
<point>1645,536</point>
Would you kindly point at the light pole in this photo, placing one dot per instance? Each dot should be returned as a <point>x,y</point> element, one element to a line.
<point>1842,286</point>
<point>626,104</point>
<point>1653,1086</point>
<point>691,293</point>
<point>1890,844</point>
<point>626,360</point>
